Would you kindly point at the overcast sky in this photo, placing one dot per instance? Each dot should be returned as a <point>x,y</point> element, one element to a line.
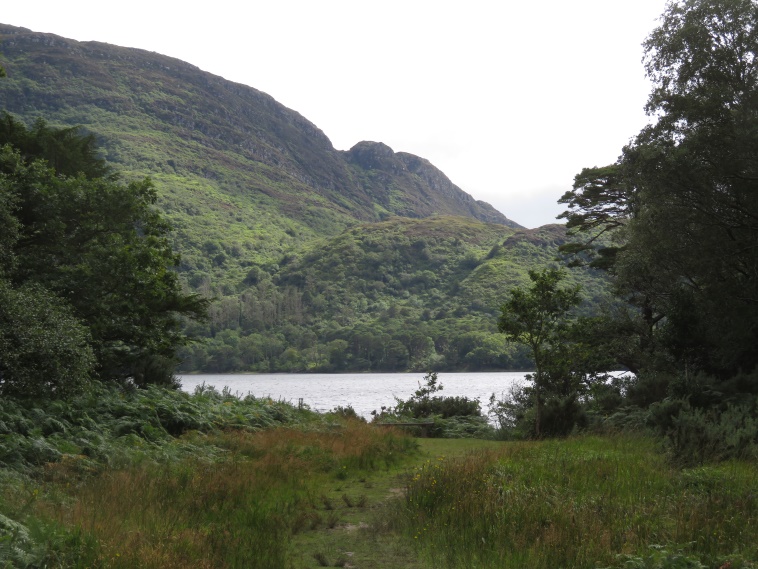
<point>509,99</point>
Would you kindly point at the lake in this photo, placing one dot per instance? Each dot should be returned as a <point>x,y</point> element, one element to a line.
<point>365,392</point>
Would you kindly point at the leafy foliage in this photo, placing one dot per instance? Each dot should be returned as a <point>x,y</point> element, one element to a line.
<point>681,204</point>
<point>101,248</point>
<point>452,417</point>
<point>601,202</point>
<point>107,425</point>
<point>66,150</point>
<point>423,403</point>
<point>391,296</point>
<point>538,318</point>
<point>44,349</point>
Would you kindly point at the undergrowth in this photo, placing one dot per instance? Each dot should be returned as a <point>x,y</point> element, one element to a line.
<point>161,479</point>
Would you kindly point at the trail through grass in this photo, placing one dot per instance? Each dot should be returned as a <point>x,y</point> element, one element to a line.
<point>333,492</point>
<point>349,532</point>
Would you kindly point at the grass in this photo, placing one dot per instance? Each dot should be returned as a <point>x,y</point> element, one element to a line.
<point>586,502</point>
<point>239,511</point>
<point>255,483</point>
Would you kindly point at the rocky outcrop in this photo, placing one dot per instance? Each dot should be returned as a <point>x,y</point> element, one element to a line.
<point>414,187</point>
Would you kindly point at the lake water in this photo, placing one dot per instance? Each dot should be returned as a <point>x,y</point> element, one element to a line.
<point>364,392</point>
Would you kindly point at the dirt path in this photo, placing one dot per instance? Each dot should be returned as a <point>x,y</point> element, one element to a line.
<point>350,525</point>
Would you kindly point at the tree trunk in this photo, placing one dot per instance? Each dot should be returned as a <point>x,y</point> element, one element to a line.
<point>538,393</point>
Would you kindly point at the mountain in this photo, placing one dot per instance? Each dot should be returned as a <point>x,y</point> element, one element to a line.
<point>318,259</point>
<point>155,114</point>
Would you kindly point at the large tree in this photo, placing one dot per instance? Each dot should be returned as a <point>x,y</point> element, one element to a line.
<point>97,244</point>
<point>682,199</point>
<point>44,348</point>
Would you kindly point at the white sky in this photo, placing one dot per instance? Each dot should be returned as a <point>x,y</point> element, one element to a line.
<point>509,99</point>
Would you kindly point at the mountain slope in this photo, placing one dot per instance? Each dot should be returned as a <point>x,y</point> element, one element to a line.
<point>162,116</point>
<point>318,259</point>
<point>400,294</point>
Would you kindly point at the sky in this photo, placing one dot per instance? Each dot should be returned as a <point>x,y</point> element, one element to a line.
<point>510,99</point>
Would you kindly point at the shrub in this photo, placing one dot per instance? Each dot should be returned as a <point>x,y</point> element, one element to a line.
<point>696,436</point>
<point>44,350</point>
<point>421,405</point>
<point>453,416</point>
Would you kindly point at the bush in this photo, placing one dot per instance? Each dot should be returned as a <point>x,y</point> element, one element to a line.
<point>514,413</point>
<point>44,350</point>
<point>562,415</point>
<point>454,417</point>
<point>346,413</point>
<point>421,405</point>
<point>697,436</point>
<point>516,416</point>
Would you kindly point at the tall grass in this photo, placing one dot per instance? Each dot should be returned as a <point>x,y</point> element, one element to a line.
<point>238,512</point>
<point>578,503</point>
<point>217,515</point>
<point>158,478</point>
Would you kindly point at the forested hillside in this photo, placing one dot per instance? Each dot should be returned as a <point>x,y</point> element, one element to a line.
<point>315,259</point>
<point>400,294</point>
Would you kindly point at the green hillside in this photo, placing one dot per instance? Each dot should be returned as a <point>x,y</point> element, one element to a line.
<point>394,295</point>
<point>316,259</point>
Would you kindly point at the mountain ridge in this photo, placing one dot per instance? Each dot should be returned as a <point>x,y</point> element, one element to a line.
<point>199,108</point>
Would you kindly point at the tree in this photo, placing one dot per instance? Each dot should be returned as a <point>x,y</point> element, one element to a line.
<point>9,233</point>
<point>67,150</point>
<point>536,317</point>
<point>100,246</point>
<point>699,180</point>
<point>601,202</point>
<point>44,348</point>
<point>683,199</point>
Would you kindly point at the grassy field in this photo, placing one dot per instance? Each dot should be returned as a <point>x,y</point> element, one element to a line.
<point>584,502</point>
<point>333,492</point>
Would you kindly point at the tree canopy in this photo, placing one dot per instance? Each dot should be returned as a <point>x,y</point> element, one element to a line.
<point>682,200</point>
<point>95,251</point>
<point>537,317</point>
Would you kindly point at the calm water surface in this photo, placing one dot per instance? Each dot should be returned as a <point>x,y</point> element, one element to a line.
<point>365,392</point>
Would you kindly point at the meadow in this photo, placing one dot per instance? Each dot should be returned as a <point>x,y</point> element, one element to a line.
<point>587,501</point>
<point>162,479</point>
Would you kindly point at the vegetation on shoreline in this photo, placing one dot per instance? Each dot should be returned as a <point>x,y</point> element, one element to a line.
<point>87,278</point>
<point>161,478</point>
<point>672,224</point>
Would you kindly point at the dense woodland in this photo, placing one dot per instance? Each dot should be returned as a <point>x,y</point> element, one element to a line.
<point>680,207</point>
<point>88,286</point>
